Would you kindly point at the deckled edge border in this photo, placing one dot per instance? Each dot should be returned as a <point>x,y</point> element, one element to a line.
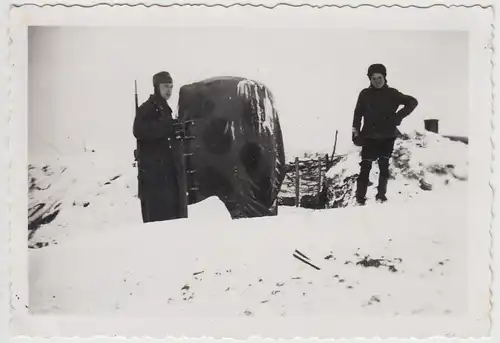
<point>10,109</point>
<point>8,114</point>
<point>4,203</point>
<point>246,4</point>
<point>494,36</point>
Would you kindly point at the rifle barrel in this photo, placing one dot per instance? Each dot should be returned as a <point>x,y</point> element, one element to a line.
<point>136,98</point>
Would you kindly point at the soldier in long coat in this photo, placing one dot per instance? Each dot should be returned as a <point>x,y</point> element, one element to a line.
<point>155,134</point>
<point>378,106</point>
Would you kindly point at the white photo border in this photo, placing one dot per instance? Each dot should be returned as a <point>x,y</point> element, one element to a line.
<point>477,20</point>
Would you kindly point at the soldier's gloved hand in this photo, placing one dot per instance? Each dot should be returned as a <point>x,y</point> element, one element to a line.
<point>356,138</point>
<point>177,130</point>
<point>175,122</point>
<point>178,135</point>
<point>170,127</point>
<point>397,119</point>
<point>355,133</point>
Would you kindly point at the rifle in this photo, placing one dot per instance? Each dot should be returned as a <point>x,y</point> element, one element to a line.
<point>136,98</point>
<point>137,145</point>
<point>136,110</point>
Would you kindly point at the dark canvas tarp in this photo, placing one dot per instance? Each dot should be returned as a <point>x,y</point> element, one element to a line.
<point>238,153</point>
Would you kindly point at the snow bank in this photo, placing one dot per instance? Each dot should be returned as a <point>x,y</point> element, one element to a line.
<point>421,162</point>
<point>90,193</point>
<point>198,268</point>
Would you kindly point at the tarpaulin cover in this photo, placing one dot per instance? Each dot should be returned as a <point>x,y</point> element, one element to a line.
<point>238,152</point>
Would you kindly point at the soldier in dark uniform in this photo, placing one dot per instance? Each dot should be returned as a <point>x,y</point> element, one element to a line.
<point>155,134</point>
<point>378,106</point>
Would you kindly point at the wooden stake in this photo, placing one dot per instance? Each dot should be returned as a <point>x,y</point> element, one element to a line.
<point>334,147</point>
<point>320,176</point>
<point>297,182</point>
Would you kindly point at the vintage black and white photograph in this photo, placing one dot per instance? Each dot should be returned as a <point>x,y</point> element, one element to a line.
<point>257,173</point>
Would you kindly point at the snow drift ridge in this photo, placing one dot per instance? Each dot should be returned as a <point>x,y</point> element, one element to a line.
<point>421,161</point>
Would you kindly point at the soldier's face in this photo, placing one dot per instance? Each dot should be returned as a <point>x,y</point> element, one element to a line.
<point>377,80</point>
<point>165,90</point>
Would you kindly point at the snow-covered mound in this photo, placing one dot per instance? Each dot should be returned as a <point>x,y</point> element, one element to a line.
<point>422,162</point>
<point>70,196</point>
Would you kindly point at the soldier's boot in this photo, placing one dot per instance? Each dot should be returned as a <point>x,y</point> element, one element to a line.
<point>361,192</point>
<point>362,183</point>
<point>383,179</point>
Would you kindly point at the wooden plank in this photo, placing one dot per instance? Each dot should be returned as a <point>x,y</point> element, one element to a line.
<point>334,147</point>
<point>179,150</point>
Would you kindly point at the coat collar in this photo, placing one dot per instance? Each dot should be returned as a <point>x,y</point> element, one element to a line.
<point>160,102</point>
<point>385,86</point>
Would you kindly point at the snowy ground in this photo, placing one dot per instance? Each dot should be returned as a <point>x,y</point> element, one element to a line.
<point>247,267</point>
<point>96,257</point>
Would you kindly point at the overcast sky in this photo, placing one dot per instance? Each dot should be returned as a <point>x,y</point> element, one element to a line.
<point>81,80</point>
